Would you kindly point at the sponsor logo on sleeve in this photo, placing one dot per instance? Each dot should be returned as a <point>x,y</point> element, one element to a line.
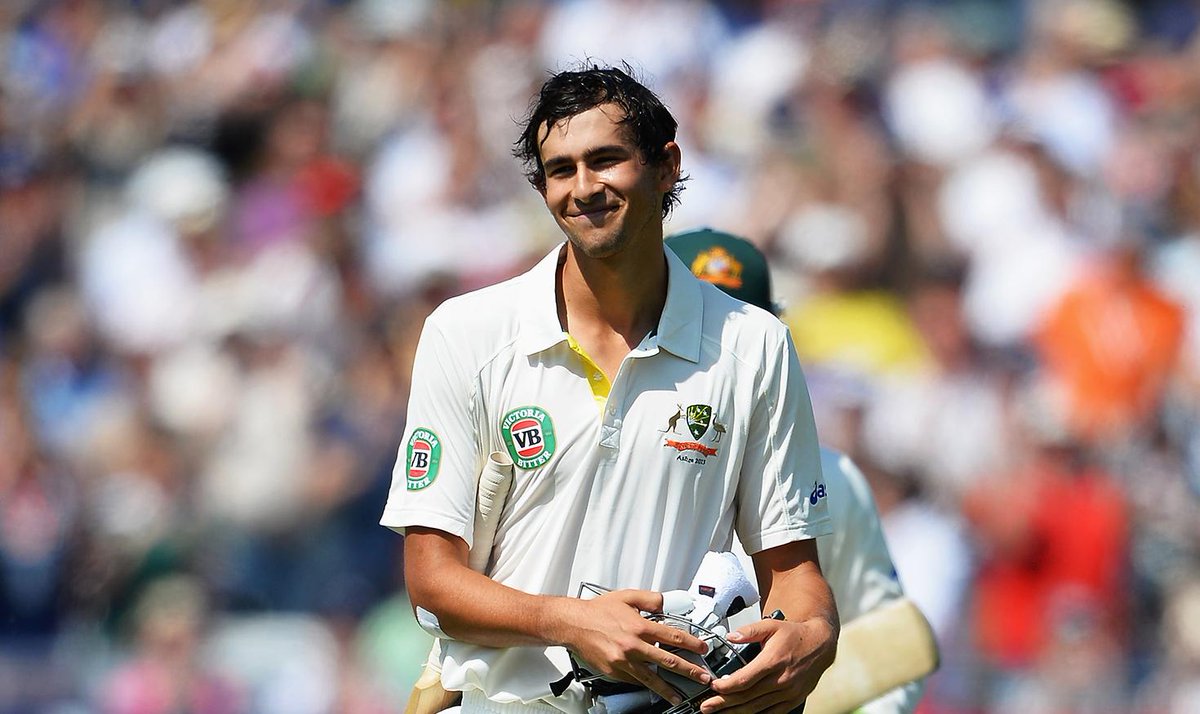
<point>817,493</point>
<point>529,435</point>
<point>424,457</point>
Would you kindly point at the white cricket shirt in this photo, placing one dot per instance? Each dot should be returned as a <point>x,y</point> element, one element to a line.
<point>705,429</point>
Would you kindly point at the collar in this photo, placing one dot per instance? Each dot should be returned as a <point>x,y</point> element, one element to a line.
<point>540,329</point>
<point>679,326</point>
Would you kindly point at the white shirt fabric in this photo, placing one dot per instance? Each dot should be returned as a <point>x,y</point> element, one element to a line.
<point>707,430</point>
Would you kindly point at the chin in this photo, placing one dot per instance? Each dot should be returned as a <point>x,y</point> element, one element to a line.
<point>599,246</point>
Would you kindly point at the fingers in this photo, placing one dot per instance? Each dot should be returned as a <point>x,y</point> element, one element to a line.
<point>644,600</point>
<point>640,667</point>
<point>759,667</point>
<point>754,632</point>
<point>679,665</point>
<point>649,601</point>
<point>617,641</point>
<point>774,681</point>
<point>674,637</point>
<point>656,684</point>
<point>743,679</point>
<point>774,702</point>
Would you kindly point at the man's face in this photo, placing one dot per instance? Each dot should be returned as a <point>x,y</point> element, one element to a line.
<point>598,189</point>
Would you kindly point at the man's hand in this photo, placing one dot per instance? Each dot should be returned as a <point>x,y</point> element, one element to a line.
<point>609,634</point>
<point>794,654</point>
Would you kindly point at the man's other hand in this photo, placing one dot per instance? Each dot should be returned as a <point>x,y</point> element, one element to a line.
<point>609,634</point>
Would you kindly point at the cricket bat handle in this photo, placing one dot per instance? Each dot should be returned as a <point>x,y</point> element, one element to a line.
<point>427,696</point>
<point>495,481</point>
<point>883,649</point>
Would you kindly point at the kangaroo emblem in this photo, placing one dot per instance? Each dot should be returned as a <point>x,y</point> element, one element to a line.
<point>674,419</point>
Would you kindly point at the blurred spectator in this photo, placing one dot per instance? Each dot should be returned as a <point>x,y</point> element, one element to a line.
<point>165,673</point>
<point>33,254</point>
<point>1043,574</point>
<point>39,510</point>
<point>141,274</point>
<point>946,424</point>
<point>1110,347</point>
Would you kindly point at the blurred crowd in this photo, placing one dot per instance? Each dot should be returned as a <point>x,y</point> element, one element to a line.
<point>222,223</point>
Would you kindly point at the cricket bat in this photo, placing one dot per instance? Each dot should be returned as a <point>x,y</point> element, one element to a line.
<point>883,649</point>
<point>427,696</point>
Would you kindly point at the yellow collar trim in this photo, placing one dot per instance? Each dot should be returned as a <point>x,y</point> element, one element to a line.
<point>596,378</point>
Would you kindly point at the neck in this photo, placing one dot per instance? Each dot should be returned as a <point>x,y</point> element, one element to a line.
<point>622,294</point>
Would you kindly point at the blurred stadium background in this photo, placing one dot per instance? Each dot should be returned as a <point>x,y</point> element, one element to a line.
<point>223,221</point>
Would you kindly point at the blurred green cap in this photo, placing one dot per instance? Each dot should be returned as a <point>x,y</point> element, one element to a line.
<point>731,263</point>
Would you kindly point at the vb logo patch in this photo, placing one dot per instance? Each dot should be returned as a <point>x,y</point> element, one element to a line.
<point>424,457</point>
<point>529,435</point>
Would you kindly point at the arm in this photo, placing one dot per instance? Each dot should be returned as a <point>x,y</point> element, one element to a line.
<point>795,650</point>
<point>607,632</point>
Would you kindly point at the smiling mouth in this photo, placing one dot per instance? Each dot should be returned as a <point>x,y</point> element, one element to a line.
<point>594,213</point>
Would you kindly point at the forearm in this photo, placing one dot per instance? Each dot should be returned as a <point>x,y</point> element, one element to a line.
<point>472,607</point>
<point>802,594</point>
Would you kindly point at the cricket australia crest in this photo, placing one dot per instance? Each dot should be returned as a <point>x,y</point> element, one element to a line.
<point>529,436</point>
<point>699,416</point>
<point>705,431</point>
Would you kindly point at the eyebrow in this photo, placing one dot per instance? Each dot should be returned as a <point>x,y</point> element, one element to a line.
<point>589,154</point>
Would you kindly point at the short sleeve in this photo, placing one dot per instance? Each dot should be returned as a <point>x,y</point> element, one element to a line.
<point>781,493</point>
<point>438,461</point>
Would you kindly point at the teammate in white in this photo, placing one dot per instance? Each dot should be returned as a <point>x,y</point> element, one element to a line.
<point>649,417</point>
<point>855,558</point>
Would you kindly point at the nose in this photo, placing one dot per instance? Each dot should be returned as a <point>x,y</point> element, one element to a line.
<point>587,185</point>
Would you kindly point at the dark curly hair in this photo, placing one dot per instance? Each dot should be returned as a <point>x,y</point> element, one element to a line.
<point>573,92</point>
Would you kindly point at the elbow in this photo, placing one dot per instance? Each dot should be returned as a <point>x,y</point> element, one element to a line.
<point>431,562</point>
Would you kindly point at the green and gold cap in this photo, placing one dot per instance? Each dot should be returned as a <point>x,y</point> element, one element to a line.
<point>731,263</point>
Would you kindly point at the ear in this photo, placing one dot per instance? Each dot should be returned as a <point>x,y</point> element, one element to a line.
<point>668,170</point>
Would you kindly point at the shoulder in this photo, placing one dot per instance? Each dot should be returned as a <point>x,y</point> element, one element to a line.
<point>478,325</point>
<point>747,330</point>
<point>484,309</point>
